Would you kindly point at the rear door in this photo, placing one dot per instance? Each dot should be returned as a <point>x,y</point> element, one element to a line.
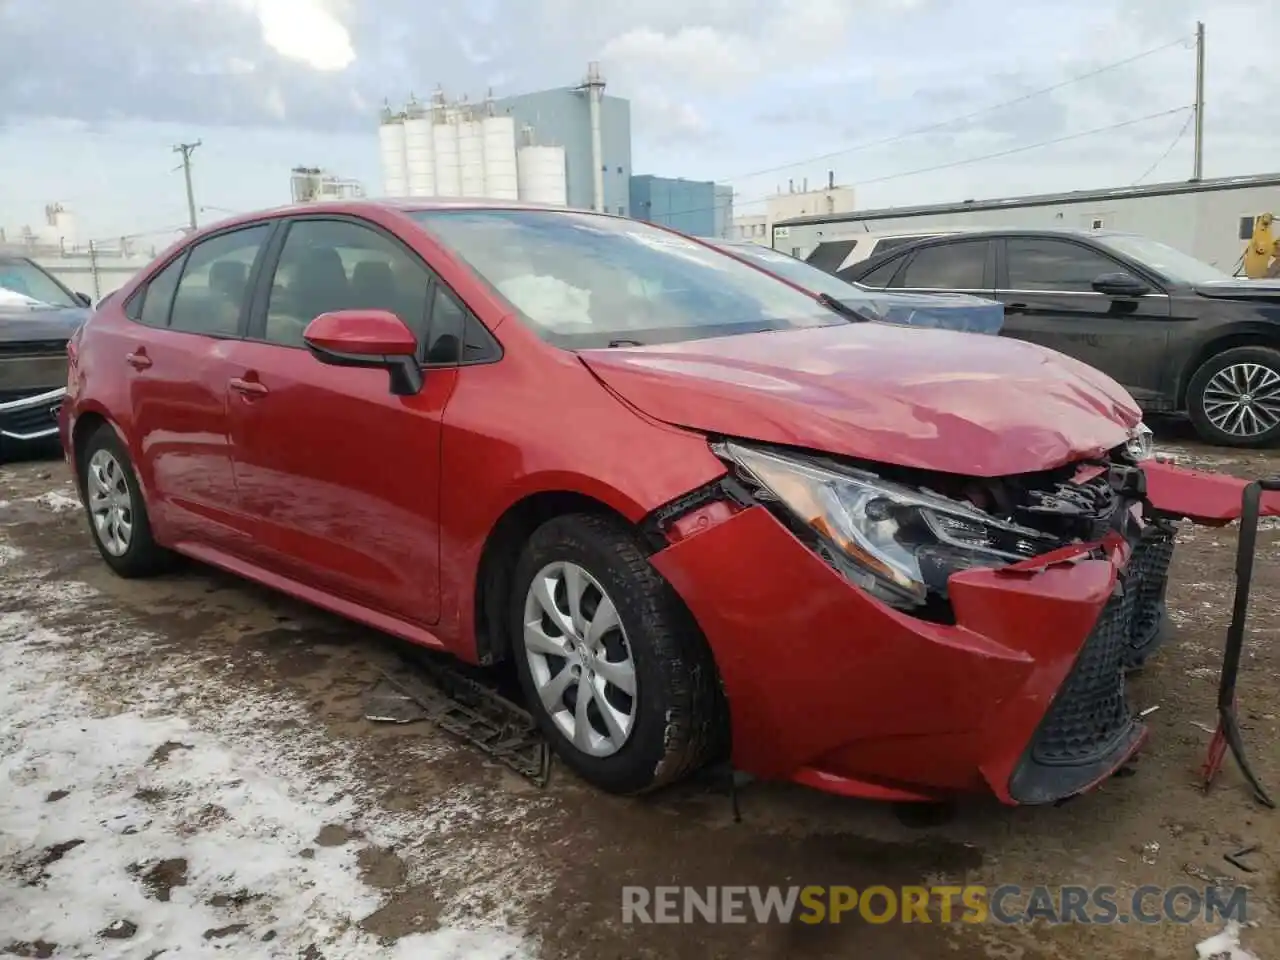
<point>340,478</point>
<point>175,357</point>
<point>1046,285</point>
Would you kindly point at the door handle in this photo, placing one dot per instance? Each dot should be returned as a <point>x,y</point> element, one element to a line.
<point>248,388</point>
<point>1015,308</point>
<point>138,360</point>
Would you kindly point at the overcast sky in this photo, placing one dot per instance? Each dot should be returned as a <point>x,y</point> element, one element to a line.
<point>94,93</point>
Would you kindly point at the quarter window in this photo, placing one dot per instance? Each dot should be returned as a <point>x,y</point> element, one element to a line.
<point>158,297</point>
<point>1054,265</point>
<point>947,266</point>
<point>328,265</point>
<point>214,292</point>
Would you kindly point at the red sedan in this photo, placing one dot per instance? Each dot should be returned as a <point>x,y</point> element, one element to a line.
<point>701,512</point>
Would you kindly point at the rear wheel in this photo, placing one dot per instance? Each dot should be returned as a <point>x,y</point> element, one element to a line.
<point>115,508</point>
<point>613,667</point>
<point>1234,398</point>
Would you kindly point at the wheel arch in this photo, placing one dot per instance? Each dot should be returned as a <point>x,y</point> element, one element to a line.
<point>1260,335</point>
<point>501,553</point>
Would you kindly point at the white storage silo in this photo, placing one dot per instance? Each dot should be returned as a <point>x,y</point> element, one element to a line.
<point>501,180</point>
<point>471,157</point>
<point>391,152</point>
<point>444,135</point>
<point>420,153</point>
<point>542,175</point>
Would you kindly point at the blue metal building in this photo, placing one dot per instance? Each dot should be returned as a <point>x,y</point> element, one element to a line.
<point>562,118</point>
<point>697,207</point>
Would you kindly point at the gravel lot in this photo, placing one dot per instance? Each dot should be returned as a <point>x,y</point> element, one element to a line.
<point>185,771</point>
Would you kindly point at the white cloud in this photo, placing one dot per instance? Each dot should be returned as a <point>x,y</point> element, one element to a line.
<point>306,31</point>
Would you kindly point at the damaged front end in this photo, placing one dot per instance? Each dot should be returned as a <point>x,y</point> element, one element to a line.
<point>987,639</point>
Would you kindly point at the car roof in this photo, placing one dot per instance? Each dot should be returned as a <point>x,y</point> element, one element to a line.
<point>1004,231</point>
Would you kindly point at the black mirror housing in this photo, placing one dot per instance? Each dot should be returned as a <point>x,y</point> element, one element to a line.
<point>405,373</point>
<point>1121,285</point>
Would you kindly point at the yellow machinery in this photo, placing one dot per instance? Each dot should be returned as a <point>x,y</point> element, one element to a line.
<point>1262,256</point>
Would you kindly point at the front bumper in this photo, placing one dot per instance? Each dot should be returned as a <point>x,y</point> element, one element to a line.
<point>1024,696</point>
<point>31,418</point>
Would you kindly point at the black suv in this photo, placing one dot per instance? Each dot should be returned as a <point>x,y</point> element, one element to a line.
<point>1180,335</point>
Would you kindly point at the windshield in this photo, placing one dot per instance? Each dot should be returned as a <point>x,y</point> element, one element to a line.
<point>1164,259</point>
<point>797,271</point>
<point>24,277</point>
<point>582,280</point>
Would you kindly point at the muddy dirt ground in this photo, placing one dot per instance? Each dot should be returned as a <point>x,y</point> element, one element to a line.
<point>437,837</point>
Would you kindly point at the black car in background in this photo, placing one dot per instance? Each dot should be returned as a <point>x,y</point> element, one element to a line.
<point>38,315</point>
<point>1180,335</point>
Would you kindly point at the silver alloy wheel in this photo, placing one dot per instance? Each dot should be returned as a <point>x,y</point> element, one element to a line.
<point>580,659</point>
<point>110,504</point>
<point>1243,399</point>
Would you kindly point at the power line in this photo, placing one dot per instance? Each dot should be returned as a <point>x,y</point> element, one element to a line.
<point>929,128</point>
<point>1164,156</point>
<point>1066,138</point>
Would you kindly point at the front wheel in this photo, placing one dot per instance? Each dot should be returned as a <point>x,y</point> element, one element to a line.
<point>612,665</point>
<point>1234,398</point>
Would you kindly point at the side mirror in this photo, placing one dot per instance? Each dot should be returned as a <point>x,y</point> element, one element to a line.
<point>1120,285</point>
<point>84,299</point>
<point>367,338</point>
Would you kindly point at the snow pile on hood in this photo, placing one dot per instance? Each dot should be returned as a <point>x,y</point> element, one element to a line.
<point>127,830</point>
<point>11,298</point>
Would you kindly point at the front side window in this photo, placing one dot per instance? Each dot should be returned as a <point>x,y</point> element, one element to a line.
<point>947,266</point>
<point>328,265</point>
<point>882,275</point>
<point>1036,264</point>
<point>580,280</point>
<point>214,292</point>
<point>25,278</point>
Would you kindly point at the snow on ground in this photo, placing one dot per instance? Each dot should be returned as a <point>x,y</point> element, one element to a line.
<point>148,810</point>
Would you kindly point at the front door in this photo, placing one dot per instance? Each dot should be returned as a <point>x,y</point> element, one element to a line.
<point>1046,285</point>
<point>176,360</point>
<point>340,478</point>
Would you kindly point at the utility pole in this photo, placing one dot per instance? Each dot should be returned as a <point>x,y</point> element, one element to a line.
<point>1199,155</point>
<point>186,149</point>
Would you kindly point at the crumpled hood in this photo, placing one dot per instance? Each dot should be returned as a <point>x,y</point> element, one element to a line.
<point>935,399</point>
<point>20,324</point>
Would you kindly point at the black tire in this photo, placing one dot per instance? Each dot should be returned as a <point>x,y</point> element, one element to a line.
<point>680,720</point>
<point>143,556</point>
<point>1200,381</point>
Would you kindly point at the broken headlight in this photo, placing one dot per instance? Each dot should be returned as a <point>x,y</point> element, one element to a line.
<point>1140,445</point>
<point>896,543</point>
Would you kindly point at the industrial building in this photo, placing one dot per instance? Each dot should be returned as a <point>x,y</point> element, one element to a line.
<point>701,208</point>
<point>569,146</point>
<point>1208,219</point>
<point>795,201</point>
<point>314,185</point>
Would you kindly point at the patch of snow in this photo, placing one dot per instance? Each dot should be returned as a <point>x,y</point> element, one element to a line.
<point>8,554</point>
<point>122,816</point>
<point>1224,945</point>
<point>57,501</point>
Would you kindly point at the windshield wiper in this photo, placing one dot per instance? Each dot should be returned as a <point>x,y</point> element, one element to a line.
<point>842,308</point>
<point>625,343</point>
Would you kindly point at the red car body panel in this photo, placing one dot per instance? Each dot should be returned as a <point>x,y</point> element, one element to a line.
<point>877,392</point>
<point>320,482</point>
<point>1212,499</point>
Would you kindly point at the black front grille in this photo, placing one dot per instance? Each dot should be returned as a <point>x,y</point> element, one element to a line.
<point>1091,710</point>
<point>1149,572</point>
<point>28,420</point>
<point>1089,726</point>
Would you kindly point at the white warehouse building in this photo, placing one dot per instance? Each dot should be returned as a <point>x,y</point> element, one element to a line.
<point>446,149</point>
<point>1208,219</point>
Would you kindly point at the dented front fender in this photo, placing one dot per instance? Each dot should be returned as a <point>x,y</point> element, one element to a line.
<point>1212,499</point>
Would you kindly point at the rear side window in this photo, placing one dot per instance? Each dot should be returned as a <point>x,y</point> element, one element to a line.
<point>947,266</point>
<point>214,291</point>
<point>158,296</point>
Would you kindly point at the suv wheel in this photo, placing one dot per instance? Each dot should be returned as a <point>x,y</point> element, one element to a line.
<point>115,508</point>
<point>1234,398</point>
<point>612,665</point>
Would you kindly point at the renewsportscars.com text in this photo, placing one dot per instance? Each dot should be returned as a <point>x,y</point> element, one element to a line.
<point>972,904</point>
